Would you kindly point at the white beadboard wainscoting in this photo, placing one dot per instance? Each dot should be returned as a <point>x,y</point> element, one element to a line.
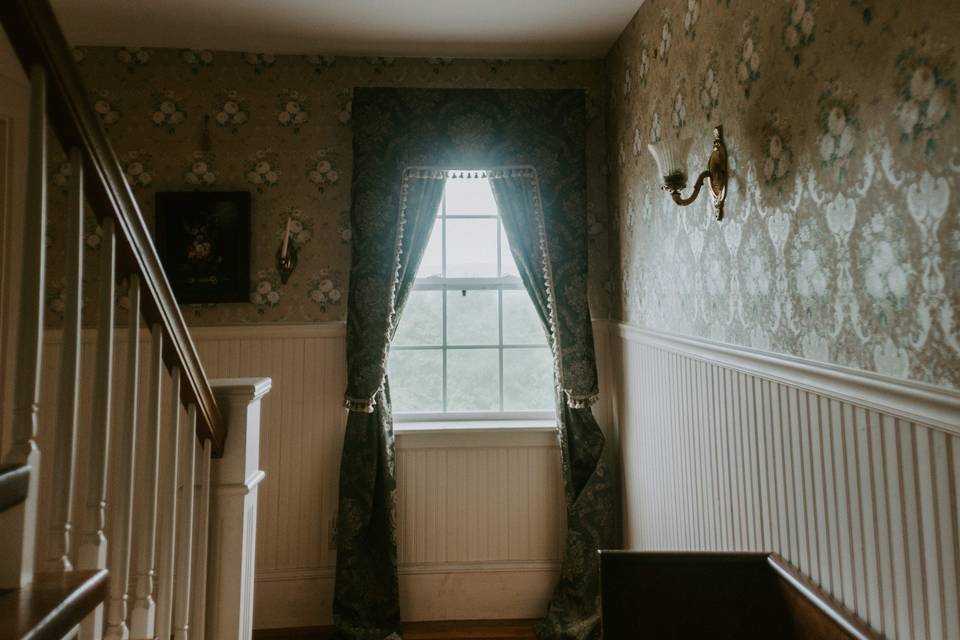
<point>852,477</point>
<point>480,512</point>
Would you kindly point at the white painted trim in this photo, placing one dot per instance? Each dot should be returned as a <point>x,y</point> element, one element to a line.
<point>933,406</point>
<point>241,389</point>
<point>241,488</point>
<point>336,329</point>
<point>474,418</point>
<point>439,568</point>
<point>454,437</point>
<point>527,566</point>
<point>443,595</point>
<point>472,426</point>
<point>54,335</point>
<point>289,575</point>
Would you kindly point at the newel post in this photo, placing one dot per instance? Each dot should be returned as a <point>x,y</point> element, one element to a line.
<point>233,511</point>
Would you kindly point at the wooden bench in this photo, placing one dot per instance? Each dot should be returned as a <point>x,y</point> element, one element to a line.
<point>717,595</point>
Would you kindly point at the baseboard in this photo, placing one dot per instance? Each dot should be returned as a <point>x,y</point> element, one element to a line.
<point>433,630</point>
<point>294,633</point>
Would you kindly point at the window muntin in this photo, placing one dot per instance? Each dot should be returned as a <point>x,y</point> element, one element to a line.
<point>470,344</point>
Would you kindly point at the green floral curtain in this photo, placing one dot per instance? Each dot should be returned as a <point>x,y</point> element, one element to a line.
<point>545,258</point>
<point>386,253</point>
<point>531,143</point>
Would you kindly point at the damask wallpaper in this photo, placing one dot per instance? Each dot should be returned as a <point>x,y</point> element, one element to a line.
<point>280,127</point>
<point>841,241</point>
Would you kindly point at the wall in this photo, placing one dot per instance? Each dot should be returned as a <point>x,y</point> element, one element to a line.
<point>480,513</point>
<point>841,241</point>
<point>280,127</point>
<point>787,379</point>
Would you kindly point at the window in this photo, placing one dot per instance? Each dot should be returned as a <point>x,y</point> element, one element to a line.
<point>470,344</point>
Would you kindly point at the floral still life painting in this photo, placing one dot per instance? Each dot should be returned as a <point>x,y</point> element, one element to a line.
<point>204,244</point>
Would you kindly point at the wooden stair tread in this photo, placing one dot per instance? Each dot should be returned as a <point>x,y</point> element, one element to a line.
<point>51,605</point>
<point>14,483</point>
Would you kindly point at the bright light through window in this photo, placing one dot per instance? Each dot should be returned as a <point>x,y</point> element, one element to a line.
<point>470,343</point>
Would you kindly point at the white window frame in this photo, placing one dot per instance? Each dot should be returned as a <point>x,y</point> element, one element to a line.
<point>499,284</point>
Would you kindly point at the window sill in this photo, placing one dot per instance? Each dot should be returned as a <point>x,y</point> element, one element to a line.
<point>447,426</point>
<point>475,434</point>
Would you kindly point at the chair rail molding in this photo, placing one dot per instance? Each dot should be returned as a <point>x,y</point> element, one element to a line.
<point>938,407</point>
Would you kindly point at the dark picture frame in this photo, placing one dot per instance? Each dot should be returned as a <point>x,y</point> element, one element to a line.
<point>203,239</point>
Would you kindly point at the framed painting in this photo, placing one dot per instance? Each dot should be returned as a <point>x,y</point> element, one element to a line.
<point>203,239</point>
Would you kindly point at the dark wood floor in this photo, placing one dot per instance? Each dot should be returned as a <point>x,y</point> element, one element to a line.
<point>448,630</point>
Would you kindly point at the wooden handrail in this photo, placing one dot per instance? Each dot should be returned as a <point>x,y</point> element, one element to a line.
<point>35,34</point>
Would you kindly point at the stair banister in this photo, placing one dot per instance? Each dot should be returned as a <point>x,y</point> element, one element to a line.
<point>182,582</point>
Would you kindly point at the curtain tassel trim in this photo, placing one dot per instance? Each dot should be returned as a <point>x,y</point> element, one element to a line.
<point>573,401</point>
<point>580,402</point>
<point>435,173</point>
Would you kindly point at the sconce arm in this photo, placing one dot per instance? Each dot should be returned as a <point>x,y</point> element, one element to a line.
<point>680,200</point>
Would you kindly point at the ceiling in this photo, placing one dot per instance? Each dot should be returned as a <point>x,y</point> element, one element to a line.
<point>428,28</point>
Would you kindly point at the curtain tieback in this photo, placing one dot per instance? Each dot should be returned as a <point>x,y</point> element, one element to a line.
<point>359,405</point>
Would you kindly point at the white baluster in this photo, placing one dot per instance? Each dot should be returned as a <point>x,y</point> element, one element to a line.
<point>201,542</point>
<point>93,542</point>
<point>144,608</point>
<point>18,524</point>
<point>122,468</point>
<point>65,448</point>
<point>181,597</point>
<point>168,506</point>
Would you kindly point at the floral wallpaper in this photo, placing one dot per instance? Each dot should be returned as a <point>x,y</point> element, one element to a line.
<point>841,241</point>
<point>280,127</point>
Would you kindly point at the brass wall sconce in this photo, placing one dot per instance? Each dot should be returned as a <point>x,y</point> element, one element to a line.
<point>671,159</point>
<point>286,256</point>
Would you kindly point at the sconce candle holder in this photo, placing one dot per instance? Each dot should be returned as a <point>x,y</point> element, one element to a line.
<point>671,159</point>
<point>286,256</point>
<point>286,264</point>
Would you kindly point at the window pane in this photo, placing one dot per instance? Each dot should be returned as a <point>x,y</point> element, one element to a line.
<point>473,380</point>
<point>521,324</point>
<point>507,265</point>
<point>416,380</point>
<point>472,317</point>
<point>528,380</point>
<point>432,264</point>
<point>470,197</point>
<point>471,248</point>
<point>421,323</point>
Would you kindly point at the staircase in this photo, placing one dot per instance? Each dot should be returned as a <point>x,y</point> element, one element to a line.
<point>152,531</point>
